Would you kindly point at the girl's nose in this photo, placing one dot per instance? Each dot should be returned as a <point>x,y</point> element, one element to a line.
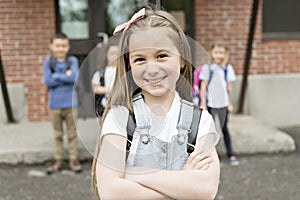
<point>152,68</point>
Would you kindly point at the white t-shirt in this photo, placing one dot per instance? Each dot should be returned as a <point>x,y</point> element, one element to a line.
<point>109,78</point>
<point>217,94</point>
<point>164,128</point>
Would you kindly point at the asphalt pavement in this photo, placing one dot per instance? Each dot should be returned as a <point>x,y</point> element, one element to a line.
<point>269,162</point>
<point>263,176</point>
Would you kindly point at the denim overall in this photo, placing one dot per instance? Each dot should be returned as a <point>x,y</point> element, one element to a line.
<point>155,153</point>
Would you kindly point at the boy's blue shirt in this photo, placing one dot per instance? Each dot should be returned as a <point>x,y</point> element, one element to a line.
<point>61,86</point>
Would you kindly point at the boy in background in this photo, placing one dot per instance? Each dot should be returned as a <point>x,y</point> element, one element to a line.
<point>60,73</point>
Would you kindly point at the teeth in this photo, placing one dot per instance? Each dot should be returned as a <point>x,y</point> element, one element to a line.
<point>155,81</point>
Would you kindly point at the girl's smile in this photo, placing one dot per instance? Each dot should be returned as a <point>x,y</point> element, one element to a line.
<point>154,82</point>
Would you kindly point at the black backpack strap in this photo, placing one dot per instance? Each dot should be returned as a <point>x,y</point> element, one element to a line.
<point>52,64</point>
<point>99,108</point>
<point>225,72</point>
<point>131,125</point>
<point>102,79</point>
<point>192,137</point>
<point>68,62</point>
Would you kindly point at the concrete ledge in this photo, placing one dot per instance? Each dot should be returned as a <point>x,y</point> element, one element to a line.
<point>271,98</point>
<point>32,143</point>
<point>250,136</point>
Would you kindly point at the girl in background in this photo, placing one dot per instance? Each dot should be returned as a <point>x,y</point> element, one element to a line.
<point>216,90</point>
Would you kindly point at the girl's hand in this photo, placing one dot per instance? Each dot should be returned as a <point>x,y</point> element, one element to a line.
<point>196,161</point>
<point>230,108</point>
<point>204,107</point>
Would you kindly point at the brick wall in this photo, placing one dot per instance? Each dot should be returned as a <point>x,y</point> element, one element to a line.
<point>229,19</point>
<point>26,26</point>
<point>25,29</point>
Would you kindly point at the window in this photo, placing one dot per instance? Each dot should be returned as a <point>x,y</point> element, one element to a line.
<point>281,19</point>
<point>74,18</point>
<point>120,11</point>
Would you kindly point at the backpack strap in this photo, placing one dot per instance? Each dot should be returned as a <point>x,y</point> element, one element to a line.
<point>211,73</point>
<point>130,128</point>
<point>196,76</point>
<point>192,136</point>
<point>69,62</point>
<point>101,76</point>
<point>225,72</point>
<point>99,108</point>
<point>53,62</point>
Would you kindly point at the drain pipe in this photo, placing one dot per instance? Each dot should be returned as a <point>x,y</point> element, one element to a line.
<point>248,56</point>
<point>5,94</point>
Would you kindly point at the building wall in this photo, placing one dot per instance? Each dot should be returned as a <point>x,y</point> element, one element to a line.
<point>274,73</point>
<point>25,29</point>
<point>26,26</point>
<point>230,19</point>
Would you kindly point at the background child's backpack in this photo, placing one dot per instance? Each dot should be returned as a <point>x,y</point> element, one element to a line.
<point>197,83</point>
<point>196,86</point>
<point>99,108</point>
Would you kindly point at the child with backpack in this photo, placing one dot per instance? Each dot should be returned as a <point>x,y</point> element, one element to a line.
<point>153,86</point>
<point>104,78</point>
<point>60,73</point>
<point>216,79</point>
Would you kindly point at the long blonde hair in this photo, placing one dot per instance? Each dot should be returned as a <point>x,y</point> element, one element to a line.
<point>124,87</point>
<point>220,43</point>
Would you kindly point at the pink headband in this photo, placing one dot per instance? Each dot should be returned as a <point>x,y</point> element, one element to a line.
<point>123,27</point>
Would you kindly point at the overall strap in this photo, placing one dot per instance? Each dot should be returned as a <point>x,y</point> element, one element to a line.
<point>131,125</point>
<point>186,122</point>
<point>185,117</point>
<point>138,121</point>
<point>141,114</point>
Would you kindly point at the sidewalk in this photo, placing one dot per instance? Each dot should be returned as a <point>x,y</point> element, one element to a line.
<point>32,142</point>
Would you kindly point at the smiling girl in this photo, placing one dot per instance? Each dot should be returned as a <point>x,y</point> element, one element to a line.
<point>153,83</point>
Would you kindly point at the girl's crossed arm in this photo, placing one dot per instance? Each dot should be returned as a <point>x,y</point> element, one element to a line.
<point>194,182</point>
<point>110,170</point>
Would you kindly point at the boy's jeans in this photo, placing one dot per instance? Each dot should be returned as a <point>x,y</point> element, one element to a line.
<point>58,116</point>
